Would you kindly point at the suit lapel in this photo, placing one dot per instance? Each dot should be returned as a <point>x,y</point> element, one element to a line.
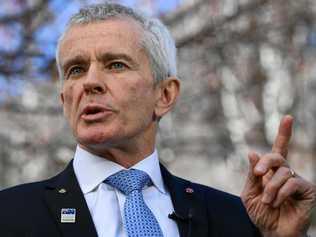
<point>63,192</point>
<point>189,205</point>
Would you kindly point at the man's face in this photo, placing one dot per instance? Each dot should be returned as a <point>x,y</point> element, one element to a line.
<point>108,94</point>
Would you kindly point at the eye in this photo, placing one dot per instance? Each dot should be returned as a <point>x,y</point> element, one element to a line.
<point>75,71</point>
<point>117,66</point>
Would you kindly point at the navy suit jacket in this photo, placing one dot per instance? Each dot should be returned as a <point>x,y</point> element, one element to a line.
<point>34,210</point>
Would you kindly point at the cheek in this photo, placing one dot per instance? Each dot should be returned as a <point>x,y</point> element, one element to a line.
<point>68,100</point>
<point>142,90</point>
<point>141,100</point>
<point>135,98</point>
<point>139,95</point>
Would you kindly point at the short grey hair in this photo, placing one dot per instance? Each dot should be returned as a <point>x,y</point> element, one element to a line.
<point>157,40</point>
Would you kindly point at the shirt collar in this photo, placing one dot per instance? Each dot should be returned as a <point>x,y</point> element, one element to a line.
<point>151,166</point>
<point>91,170</point>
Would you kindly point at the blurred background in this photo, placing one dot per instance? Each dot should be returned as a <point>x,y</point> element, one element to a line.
<point>243,65</point>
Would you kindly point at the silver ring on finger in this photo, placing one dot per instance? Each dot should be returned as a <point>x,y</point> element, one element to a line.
<point>293,174</point>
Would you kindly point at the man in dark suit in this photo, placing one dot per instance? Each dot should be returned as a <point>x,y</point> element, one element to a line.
<point>118,72</point>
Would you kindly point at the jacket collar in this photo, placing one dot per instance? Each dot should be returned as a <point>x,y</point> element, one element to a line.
<point>63,193</point>
<point>189,204</point>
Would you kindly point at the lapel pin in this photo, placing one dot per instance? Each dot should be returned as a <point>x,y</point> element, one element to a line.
<point>189,190</point>
<point>62,190</point>
<point>68,215</point>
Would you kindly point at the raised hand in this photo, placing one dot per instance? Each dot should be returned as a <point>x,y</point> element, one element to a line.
<point>278,201</point>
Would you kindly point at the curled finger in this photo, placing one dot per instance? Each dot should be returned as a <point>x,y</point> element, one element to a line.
<point>268,162</point>
<point>273,186</point>
<point>291,187</point>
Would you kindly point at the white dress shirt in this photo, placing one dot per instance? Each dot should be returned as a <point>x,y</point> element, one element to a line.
<point>106,204</point>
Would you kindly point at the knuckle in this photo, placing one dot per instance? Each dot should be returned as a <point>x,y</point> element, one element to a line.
<point>276,158</point>
<point>294,182</point>
<point>271,187</point>
<point>280,159</point>
<point>282,194</point>
<point>266,159</point>
<point>285,171</point>
<point>263,159</point>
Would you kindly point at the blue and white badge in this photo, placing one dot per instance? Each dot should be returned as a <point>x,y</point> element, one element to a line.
<point>68,215</point>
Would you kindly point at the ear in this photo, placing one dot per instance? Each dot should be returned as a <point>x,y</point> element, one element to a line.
<point>168,93</point>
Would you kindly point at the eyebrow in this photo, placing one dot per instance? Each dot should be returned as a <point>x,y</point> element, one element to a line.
<point>113,56</point>
<point>78,59</point>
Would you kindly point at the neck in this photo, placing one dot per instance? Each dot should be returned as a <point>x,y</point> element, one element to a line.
<point>125,158</point>
<point>126,153</point>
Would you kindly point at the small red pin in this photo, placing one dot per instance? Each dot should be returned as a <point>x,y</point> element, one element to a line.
<point>189,190</point>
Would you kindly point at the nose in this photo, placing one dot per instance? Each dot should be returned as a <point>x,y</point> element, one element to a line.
<point>94,83</point>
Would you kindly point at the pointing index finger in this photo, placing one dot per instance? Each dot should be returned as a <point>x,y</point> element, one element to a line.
<point>283,137</point>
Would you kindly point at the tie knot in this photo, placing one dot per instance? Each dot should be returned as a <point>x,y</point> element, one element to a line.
<point>128,180</point>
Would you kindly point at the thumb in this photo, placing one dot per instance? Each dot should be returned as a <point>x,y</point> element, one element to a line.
<point>253,182</point>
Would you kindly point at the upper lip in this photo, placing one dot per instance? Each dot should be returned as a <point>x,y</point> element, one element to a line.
<point>94,108</point>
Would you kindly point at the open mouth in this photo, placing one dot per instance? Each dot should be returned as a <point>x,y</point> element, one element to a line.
<point>94,113</point>
<point>92,110</point>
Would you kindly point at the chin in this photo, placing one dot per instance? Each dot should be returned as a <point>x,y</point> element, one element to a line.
<point>94,137</point>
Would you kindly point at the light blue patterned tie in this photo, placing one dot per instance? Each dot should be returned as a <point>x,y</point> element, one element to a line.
<point>139,220</point>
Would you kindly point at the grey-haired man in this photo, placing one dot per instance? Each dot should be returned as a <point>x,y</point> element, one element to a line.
<point>118,72</point>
